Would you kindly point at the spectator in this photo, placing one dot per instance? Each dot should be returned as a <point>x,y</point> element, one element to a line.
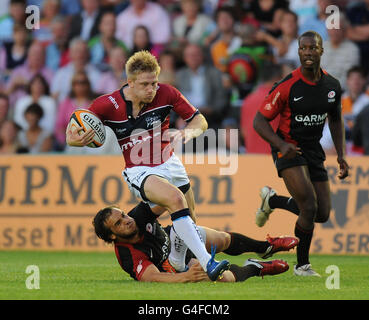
<point>34,139</point>
<point>167,62</point>
<point>340,54</point>
<point>85,24</point>
<point>253,142</point>
<point>17,15</point>
<point>57,52</point>
<point>357,95</point>
<point>35,64</point>
<point>210,6</point>
<point>117,6</point>
<point>4,108</point>
<point>70,7</point>
<point>358,31</point>
<point>202,85</point>
<point>142,41</point>
<point>226,39</point>
<point>4,7</point>
<point>360,132</point>
<point>39,93</point>
<point>79,56</point>
<point>251,46</point>
<point>244,65</point>
<point>80,97</point>
<point>101,44</point>
<point>14,53</point>
<point>353,101</point>
<point>147,13</point>
<point>268,13</point>
<point>115,77</point>
<point>318,23</point>
<point>50,9</point>
<point>192,25</point>
<point>285,47</point>
<point>8,137</point>
<point>113,5</point>
<point>305,10</point>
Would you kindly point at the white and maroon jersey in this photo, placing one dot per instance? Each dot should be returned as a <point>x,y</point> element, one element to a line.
<point>143,140</point>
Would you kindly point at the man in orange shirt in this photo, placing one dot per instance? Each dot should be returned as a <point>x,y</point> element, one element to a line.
<point>223,38</point>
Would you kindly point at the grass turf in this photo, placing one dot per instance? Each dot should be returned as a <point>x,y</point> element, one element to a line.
<point>77,275</point>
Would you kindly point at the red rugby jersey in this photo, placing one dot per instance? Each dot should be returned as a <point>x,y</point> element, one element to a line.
<point>143,140</point>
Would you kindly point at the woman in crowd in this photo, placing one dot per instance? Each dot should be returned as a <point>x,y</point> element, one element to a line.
<point>142,41</point>
<point>14,53</point>
<point>80,97</point>
<point>35,139</point>
<point>8,137</point>
<point>38,91</point>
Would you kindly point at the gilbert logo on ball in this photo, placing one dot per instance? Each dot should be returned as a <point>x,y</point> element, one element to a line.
<point>88,120</point>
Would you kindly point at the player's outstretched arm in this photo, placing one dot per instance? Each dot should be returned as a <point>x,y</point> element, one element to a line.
<point>74,138</point>
<point>194,274</point>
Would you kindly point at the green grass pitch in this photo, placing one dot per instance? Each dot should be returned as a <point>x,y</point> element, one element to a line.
<point>77,275</point>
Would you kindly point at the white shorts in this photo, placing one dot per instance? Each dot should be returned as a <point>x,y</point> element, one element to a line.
<point>172,170</point>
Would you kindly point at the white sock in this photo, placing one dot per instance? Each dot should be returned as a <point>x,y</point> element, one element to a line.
<point>188,232</point>
<point>178,249</point>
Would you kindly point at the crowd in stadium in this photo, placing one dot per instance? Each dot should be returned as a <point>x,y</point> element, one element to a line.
<point>223,55</point>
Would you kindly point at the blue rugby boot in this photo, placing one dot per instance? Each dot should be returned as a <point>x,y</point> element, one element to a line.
<point>214,268</point>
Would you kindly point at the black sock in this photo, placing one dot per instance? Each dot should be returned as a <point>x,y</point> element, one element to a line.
<point>243,273</point>
<point>303,247</point>
<point>283,202</point>
<point>240,244</point>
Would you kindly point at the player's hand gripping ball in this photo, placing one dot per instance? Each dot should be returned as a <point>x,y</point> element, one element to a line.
<point>88,120</point>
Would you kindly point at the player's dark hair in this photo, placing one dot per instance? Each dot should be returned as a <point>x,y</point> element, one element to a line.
<point>311,34</point>
<point>101,230</point>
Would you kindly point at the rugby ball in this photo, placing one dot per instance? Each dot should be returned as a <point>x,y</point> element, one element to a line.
<point>88,120</point>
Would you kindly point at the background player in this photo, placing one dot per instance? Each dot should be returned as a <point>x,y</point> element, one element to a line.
<point>138,114</point>
<point>144,250</point>
<point>303,99</point>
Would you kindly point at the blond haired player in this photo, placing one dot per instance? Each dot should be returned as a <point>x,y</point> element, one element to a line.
<point>138,113</point>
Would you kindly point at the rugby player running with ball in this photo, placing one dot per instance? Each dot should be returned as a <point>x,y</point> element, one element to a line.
<point>138,114</point>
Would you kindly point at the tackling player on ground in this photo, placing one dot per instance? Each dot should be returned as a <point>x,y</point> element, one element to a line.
<point>146,252</point>
<point>138,114</point>
<point>303,99</point>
